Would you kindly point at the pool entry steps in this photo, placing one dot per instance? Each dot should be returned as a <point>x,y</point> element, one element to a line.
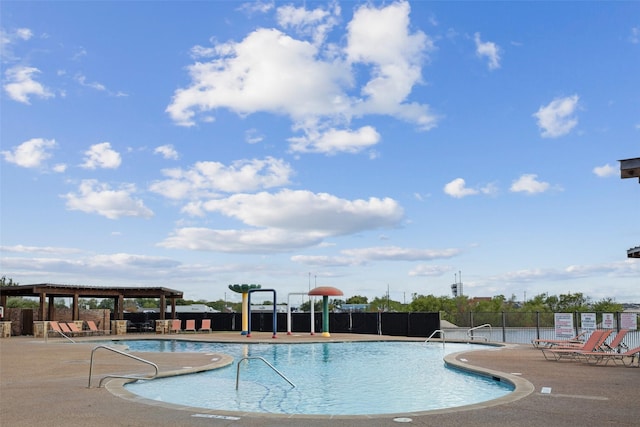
<point>131,356</point>
<point>268,364</point>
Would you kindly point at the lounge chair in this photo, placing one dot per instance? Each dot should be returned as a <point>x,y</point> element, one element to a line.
<point>205,326</point>
<point>176,326</point>
<point>616,344</point>
<point>65,329</point>
<point>55,327</point>
<point>93,329</point>
<point>627,357</point>
<point>74,329</point>
<point>191,326</point>
<point>594,343</point>
<point>548,343</point>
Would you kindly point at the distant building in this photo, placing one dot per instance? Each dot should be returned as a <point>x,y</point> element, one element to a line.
<point>280,308</point>
<point>193,308</point>
<point>354,308</point>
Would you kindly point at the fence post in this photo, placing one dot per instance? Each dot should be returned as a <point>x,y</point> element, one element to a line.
<point>537,325</point>
<point>504,331</point>
<point>471,319</point>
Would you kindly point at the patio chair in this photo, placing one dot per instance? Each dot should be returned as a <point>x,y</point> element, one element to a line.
<point>176,326</point>
<point>74,328</point>
<point>548,343</point>
<point>55,327</point>
<point>191,325</point>
<point>616,344</point>
<point>65,329</point>
<point>93,329</point>
<point>627,357</point>
<point>594,343</point>
<point>206,325</point>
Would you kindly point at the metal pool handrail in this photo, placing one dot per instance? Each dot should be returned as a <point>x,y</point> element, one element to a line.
<point>46,336</point>
<point>268,364</point>
<point>435,332</point>
<point>486,325</point>
<point>131,377</point>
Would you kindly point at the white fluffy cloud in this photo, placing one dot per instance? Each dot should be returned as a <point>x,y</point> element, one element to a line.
<point>489,50</point>
<point>314,23</point>
<point>430,270</point>
<point>95,197</point>
<point>400,254</point>
<point>21,84</point>
<point>286,220</point>
<point>606,170</point>
<point>101,156</point>
<point>167,151</point>
<point>557,118</point>
<point>529,183</point>
<point>31,153</point>
<point>205,179</point>
<point>360,256</point>
<point>334,141</point>
<point>458,189</point>
<point>312,82</point>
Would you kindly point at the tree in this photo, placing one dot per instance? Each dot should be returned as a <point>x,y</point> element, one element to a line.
<point>7,282</point>
<point>607,305</point>
<point>106,304</point>
<point>317,306</point>
<point>357,299</point>
<point>20,302</point>
<point>383,303</point>
<point>90,303</point>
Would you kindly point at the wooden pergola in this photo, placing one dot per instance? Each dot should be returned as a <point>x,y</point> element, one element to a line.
<point>49,291</point>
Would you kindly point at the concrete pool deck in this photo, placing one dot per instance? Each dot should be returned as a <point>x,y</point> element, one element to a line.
<point>45,383</point>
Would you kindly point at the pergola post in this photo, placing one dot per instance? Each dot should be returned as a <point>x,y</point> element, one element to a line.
<point>76,308</point>
<point>173,308</point>
<point>43,303</point>
<point>119,315</point>
<point>163,307</point>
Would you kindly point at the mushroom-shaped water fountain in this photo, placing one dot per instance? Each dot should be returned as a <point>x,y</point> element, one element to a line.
<point>325,292</point>
<point>244,290</point>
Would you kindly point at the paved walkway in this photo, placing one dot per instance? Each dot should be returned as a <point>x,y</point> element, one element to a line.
<point>45,383</point>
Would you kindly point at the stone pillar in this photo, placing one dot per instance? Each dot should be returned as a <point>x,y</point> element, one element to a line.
<point>5,329</point>
<point>40,328</point>
<point>163,326</point>
<point>118,327</point>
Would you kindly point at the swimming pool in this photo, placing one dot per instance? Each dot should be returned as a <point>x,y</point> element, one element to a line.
<point>337,378</point>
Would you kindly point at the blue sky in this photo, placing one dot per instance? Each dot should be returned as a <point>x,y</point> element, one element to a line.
<point>369,146</point>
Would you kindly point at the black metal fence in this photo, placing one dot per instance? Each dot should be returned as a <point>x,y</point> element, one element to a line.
<point>513,327</point>
<point>393,324</point>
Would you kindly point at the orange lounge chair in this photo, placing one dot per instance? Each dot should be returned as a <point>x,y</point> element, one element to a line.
<point>93,329</point>
<point>55,327</point>
<point>595,341</point>
<point>548,343</point>
<point>74,328</point>
<point>191,325</point>
<point>206,325</point>
<point>616,344</point>
<point>626,357</point>
<point>65,328</point>
<point>176,326</point>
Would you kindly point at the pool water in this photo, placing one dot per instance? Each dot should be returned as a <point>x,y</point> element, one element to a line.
<point>350,378</point>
